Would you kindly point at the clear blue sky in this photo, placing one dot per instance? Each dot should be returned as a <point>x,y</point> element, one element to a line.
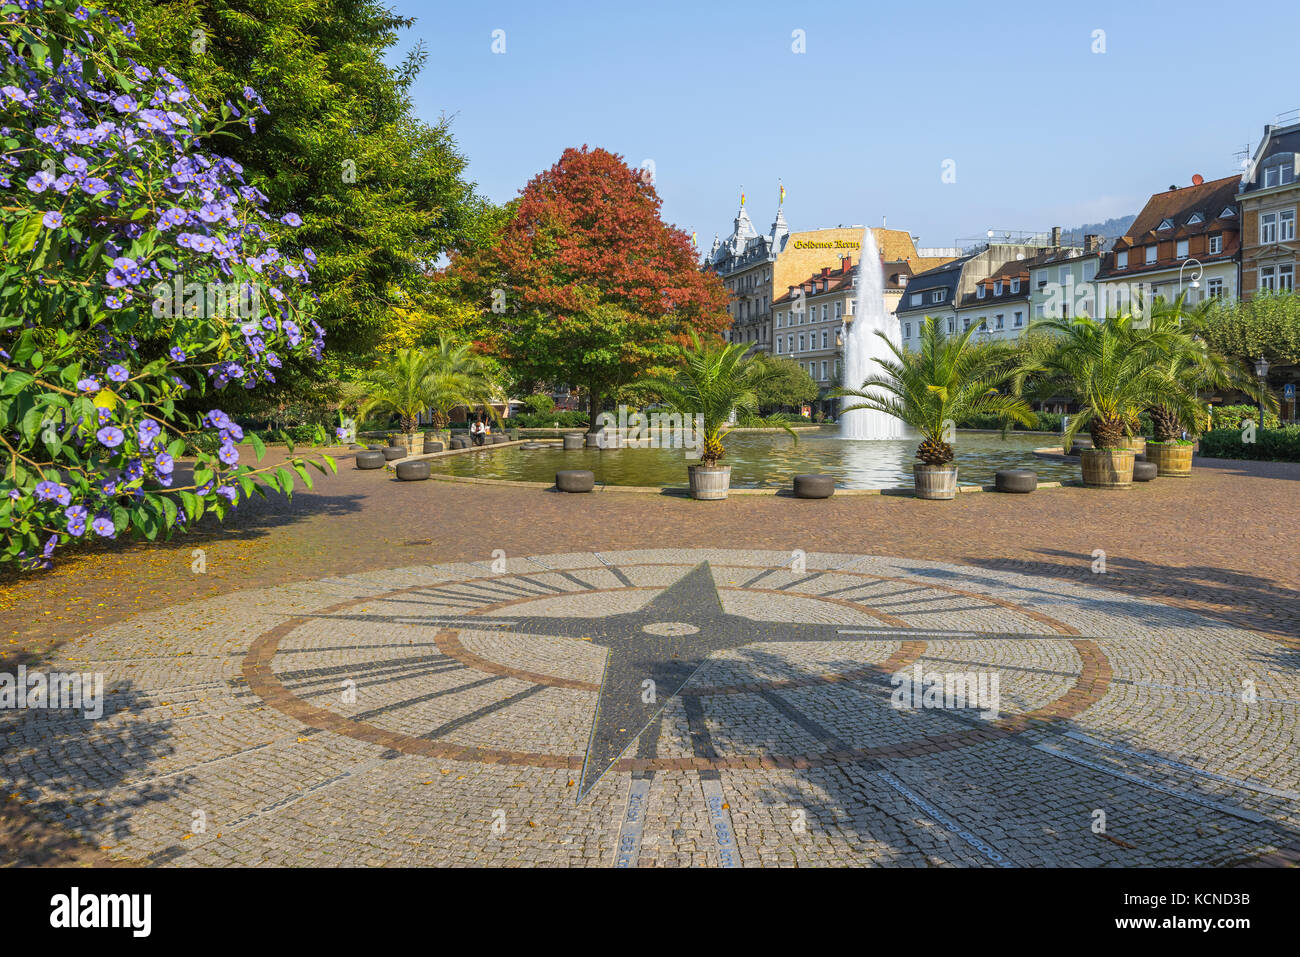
<point>1042,130</point>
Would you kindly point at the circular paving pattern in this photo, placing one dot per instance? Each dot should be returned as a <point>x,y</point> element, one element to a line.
<point>674,707</point>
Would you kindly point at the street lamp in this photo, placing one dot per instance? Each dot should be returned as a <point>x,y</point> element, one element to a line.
<point>1261,370</point>
<point>1196,278</point>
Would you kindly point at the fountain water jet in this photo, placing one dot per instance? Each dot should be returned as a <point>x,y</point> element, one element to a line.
<point>862,346</point>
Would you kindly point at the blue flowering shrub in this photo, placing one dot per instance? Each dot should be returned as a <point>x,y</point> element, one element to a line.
<point>136,270</point>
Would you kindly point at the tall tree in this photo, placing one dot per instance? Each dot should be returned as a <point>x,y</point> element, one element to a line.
<point>586,284</point>
<point>382,194</point>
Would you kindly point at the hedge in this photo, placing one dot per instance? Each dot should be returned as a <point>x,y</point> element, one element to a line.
<point>1270,445</point>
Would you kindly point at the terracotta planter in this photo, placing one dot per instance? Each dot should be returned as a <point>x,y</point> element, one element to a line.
<point>935,482</point>
<point>709,484</point>
<point>1171,458</point>
<point>1107,468</point>
<point>1137,444</point>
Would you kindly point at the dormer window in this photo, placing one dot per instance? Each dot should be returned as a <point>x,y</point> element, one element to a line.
<point>937,295</point>
<point>1015,286</point>
<point>1121,260</point>
<point>1167,224</point>
<point>1228,212</point>
<point>979,293</point>
<point>1194,219</point>
<point>997,288</point>
<point>1151,254</point>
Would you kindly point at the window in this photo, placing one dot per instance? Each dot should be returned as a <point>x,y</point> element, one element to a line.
<point>1286,225</point>
<point>965,324</point>
<point>780,319</point>
<point>1166,224</point>
<point>780,343</point>
<point>823,368</point>
<point>1040,311</point>
<point>997,321</point>
<point>839,309</point>
<point>952,326</point>
<point>1090,270</point>
<point>1121,260</point>
<point>984,324</point>
<point>1271,176</point>
<point>997,288</point>
<point>824,339</point>
<point>1181,251</point>
<point>1015,286</point>
<point>823,312</point>
<point>1194,219</point>
<point>1268,227</point>
<point>1063,275</point>
<point>916,298</point>
<point>937,295</point>
<point>1216,244</point>
<point>1228,212</point>
<point>979,293</point>
<point>1267,278</point>
<point>1286,278</point>
<point>1151,254</point>
<point>1020,320</point>
<point>1214,288</point>
<point>907,330</point>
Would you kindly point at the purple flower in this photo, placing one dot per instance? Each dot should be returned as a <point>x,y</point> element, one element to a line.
<point>103,527</point>
<point>148,431</point>
<point>110,436</point>
<point>309,255</point>
<point>45,491</point>
<point>291,219</point>
<point>173,217</point>
<point>75,164</point>
<point>163,463</point>
<point>228,454</point>
<point>52,220</point>
<point>228,492</point>
<point>39,182</point>
<point>125,104</point>
<point>118,373</point>
<point>76,526</point>
<point>177,353</point>
<point>218,419</point>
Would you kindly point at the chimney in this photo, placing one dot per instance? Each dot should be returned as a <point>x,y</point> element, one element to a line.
<point>1056,237</point>
<point>846,263</point>
<point>1091,242</point>
<point>826,271</point>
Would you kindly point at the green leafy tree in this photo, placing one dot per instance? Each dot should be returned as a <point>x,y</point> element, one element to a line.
<point>945,380</point>
<point>1267,325</point>
<point>381,193</point>
<point>787,385</point>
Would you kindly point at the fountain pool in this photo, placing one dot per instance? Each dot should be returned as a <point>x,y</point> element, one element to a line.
<point>768,460</point>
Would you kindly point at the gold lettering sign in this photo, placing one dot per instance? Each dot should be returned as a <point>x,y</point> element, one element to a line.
<point>826,244</point>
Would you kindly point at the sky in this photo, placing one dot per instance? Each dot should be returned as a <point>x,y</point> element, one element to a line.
<point>1032,127</point>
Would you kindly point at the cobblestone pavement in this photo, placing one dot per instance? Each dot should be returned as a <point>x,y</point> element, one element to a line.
<point>337,688</point>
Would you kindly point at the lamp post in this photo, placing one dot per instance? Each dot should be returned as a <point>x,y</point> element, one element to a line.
<point>1196,278</point>
<point>1261,370</point>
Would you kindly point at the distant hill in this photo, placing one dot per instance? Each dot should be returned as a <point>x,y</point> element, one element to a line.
<point>1112,228</point>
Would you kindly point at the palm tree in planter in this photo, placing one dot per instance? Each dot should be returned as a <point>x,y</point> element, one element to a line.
<point>1187,366</point>
<point>403,387</point>
<point>947,379</point>
<point>714,382</point>
<point>1100,367</point>
<point>458,377</point>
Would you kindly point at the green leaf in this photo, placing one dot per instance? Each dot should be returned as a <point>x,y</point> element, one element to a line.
<point>259,447</point>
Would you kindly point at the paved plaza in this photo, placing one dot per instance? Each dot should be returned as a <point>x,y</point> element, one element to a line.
<point>392,674</point>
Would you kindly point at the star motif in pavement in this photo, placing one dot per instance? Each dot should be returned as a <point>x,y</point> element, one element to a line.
<point>667,642</point>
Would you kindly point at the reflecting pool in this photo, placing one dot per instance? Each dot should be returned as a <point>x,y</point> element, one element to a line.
<point>769,459</point>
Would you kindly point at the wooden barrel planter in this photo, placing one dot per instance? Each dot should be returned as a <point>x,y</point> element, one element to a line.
<point>937,483</point>
<point>1135,443</point>
<point>709,484</point>
<point>1171,458</point>
<point>1107,468</point>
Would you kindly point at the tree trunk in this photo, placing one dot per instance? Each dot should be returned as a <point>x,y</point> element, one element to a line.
<point>593,406</point>
<point>1106,433</point>
<point>1167,426</point>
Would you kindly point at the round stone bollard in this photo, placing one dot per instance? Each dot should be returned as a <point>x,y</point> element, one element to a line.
<point>594,440</point>
<point>499,438</point>
<point>416,471</point>
<point>370,460</point>
<point>814,486</point>
<point>459,442</point>
<point>575,480</point>
<point>376,448</point>
<point>1015,480</point>
<point>393,452</point>
<point>431,446</point>
<point>1145,471</point>
<point>572,440</point>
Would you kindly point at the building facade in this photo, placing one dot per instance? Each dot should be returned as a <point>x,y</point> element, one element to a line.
<point>1186,240</point>
<point>756,269</point>
<point>1268,195</point>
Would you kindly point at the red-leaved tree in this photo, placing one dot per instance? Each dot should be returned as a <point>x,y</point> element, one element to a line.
<point>587,285</point>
